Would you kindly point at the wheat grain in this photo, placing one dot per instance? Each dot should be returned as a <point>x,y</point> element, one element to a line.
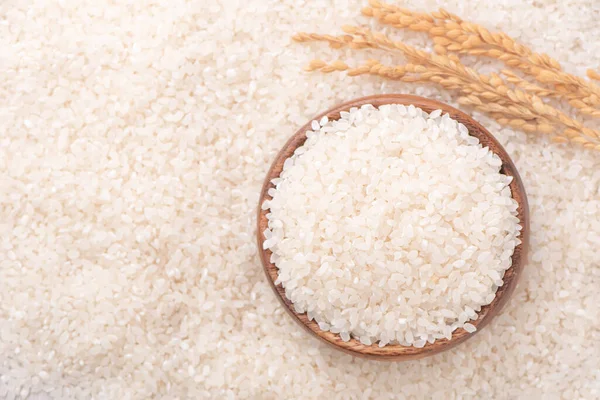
<point>593,75</point>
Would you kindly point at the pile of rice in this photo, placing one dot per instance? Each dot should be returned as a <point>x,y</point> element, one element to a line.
<point>391,225</point>
<point>134,139</point>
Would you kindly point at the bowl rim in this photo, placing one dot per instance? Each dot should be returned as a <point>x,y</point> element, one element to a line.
<point>396,352</point>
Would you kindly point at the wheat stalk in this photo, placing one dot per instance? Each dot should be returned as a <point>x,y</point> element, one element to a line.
<point>491,88</point>
<point>451,34</point>
<point>456,32</point>
<point>510,99</point>
<point>489,94</point>
<point>514,116</point>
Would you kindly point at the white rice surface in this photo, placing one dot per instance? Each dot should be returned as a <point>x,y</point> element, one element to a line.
<point>134,139</point>
<point>391,225</point>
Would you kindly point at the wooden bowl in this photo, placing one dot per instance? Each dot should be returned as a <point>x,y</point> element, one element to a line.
<point>399,352</point>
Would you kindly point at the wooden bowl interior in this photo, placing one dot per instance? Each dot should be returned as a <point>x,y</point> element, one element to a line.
<point>398,352</point>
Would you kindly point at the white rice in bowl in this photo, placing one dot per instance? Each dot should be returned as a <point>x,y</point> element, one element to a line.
<point>391,225</point>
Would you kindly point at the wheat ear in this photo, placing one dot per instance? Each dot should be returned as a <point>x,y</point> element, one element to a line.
<point>451,34</point>
<point>483,90</point>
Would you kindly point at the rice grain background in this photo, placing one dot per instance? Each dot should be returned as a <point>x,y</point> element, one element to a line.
<point>134,138</point>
